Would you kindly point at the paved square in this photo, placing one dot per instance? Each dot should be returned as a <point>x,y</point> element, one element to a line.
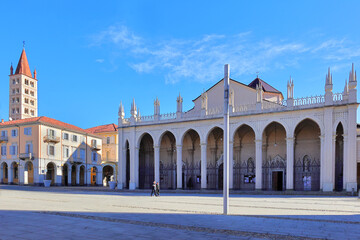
<point>58,213</point>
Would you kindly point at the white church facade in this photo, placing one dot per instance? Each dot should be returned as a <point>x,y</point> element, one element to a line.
<point>307,143</point>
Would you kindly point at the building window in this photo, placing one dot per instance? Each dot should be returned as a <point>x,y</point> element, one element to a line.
<point>13,100</point>
<point>28,131</point>
<point>13,110</point>
<point>14,132</point>
<point>108,140</point>
<point>3,133</point>
<point>13,91</point>
<point>17,100</point>
<point>26,110</point>
<point>3,150</point>
<point>13,81</point>
<point>32,112</point>
<point>17,110</point>
<point>26,81</point>
<point>17,81</point>
<point>26,100</point>
<point>82,154</point>
<point>66,152</point>
<point>51,132</point>
<point>94,156</point>
<point>32,102</point>
<point>74,138</point>
<point>18,90</point>
<point>32,84</point>
<point>28,147</point>
<point>93,143</point>
<point>51,150</point>
<point>32,93</point>
<point>26,91</point>
<point>65,136</point>
<point>13,149</point>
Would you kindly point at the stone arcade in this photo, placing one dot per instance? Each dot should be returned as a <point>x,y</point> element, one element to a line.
<point>307,143</point>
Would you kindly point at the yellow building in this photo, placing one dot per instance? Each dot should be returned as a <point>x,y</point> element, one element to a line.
<point>34,149</point>
<point>39,148</point>
<point>109,157</point>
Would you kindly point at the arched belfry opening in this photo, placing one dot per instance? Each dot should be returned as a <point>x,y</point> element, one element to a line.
<point>146,162</point>
<point>339,158</point>
<point>215,158</point>
<point>244,158</point>
<point>307,156</point>
<point>168,161</point>
<point>191,160</point>
<point>274,157</point>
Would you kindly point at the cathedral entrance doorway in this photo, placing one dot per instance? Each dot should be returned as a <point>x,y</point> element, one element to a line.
<point>277,180</point>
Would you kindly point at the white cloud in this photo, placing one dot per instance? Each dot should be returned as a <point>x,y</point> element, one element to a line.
<point>100,60</point>
<point>203,59</point>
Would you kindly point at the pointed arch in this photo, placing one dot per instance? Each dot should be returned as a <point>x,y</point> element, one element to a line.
<point>243,158</point>
<point>191,159</point>
<point>168,173</point>
<point>146,161</point>
<point>307,155</point>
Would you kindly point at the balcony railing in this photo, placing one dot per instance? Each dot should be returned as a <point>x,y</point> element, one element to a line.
<point>3,139</point>
<point>50,138</point>
<point>26,156</point>
<point>95,147</point>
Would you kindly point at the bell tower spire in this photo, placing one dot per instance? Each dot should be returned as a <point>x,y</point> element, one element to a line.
<point>23,90</point>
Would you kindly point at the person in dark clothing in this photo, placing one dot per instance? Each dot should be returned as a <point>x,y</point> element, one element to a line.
<point>157,189</point>
<point>153,189</point>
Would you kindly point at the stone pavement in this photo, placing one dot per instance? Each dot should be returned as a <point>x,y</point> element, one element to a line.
<point>58,213</point>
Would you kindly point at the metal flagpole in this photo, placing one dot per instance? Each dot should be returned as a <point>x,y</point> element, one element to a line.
<point>226,139</point>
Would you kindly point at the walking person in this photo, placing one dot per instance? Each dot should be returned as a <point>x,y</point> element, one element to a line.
<point>153,189</point>
<point>157,189</point>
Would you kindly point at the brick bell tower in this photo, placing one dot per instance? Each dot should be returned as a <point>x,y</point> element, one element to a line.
<point>23,96</point>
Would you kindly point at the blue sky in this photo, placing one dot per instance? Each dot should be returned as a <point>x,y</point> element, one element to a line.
<point>90,55</point>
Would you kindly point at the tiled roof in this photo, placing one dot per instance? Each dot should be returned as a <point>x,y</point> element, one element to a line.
<point>103,128</point>
<point>23,65</point>
<point>45,120</point>
<point>265,85</point>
